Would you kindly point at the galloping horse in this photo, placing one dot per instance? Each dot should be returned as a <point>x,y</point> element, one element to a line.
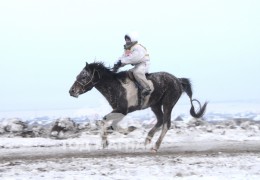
<point>123,95</point>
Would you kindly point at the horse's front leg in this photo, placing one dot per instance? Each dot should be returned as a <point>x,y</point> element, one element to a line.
<point>103,134</point>
<point>111,117</point>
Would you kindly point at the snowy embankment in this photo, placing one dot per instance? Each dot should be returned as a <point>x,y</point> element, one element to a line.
<point>191,149</point>
<point>45,145</point>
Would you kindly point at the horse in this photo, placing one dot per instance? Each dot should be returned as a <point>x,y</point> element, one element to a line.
<point>123,95</point>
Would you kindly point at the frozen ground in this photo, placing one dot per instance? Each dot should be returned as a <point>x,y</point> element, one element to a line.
<point>224,146</point>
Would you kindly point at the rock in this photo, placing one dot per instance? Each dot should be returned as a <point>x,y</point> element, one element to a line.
<point>196,122</point>
<point>209,129</point>
<point>63,127</point>
<point>84,126</point>
<point>38,131</point>
<point>254,128</point>
<point>2,130</point>
<point>179,118</point>
<point>220,126</point>
<point>230,124</point>
<point>14,125</point>
<point>239,121</point>
<point>27,133</point>
<point>245,125</point>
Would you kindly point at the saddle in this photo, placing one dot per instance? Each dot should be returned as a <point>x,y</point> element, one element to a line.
<point>129,74</point>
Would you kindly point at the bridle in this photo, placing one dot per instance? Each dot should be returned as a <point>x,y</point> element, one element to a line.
<point>90,81</point>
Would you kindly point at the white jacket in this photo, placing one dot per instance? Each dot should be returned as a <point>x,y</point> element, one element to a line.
<point>137,54</point>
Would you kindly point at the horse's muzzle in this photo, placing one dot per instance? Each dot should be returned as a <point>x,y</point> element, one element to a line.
<point>73,93</point>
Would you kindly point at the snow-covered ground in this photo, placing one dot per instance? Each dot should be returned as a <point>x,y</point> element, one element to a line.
<point>67,145</point>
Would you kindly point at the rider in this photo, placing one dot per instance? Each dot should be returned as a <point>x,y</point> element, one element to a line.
<point>136,55</point>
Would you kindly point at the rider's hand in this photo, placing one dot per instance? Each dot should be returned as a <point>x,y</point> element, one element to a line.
<point>119,63</point>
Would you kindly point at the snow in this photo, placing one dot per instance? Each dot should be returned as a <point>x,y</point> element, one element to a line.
<point>225,145</point>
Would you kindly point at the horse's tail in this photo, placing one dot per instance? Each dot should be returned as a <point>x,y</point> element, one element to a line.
<point>186,85</point>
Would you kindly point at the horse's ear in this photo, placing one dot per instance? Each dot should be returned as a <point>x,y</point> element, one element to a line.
<point>87,66</point>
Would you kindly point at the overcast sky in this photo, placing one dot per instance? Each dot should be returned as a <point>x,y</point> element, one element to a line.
<point>44,44</point>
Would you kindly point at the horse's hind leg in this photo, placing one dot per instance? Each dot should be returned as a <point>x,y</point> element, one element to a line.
<point>159,115</point>
<point>165,128</point>
<point>167,110</point>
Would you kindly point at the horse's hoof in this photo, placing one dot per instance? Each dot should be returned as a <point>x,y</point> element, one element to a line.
<point>99,123</point>
<point>105,144</point>
<point>131,129</point>
<point>147,141</point>
<point>153,150</point>
<point>110,130</point>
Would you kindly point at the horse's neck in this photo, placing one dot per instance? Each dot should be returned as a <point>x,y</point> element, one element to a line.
<point>109,90</point>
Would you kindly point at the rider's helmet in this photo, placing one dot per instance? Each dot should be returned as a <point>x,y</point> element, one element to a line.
<point>132,37</point>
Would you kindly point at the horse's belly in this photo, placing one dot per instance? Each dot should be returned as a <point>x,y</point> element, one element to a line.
<point>131,93</point>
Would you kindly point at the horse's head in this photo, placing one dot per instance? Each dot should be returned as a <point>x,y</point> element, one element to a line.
<point>85,81</point>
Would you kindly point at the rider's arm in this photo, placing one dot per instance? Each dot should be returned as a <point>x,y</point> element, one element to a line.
<point>136,56</point>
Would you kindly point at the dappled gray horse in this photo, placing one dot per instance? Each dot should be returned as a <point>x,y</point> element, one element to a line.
<point>123,94</point>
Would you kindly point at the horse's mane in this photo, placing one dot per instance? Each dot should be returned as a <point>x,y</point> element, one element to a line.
<point>102,69</point>
<point>99,66</point>
<point>107,71</point>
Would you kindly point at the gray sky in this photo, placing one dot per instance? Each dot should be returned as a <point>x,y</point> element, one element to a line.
<point>44,44</point>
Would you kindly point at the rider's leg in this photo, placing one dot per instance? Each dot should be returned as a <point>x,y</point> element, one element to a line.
<point>139,74</point>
